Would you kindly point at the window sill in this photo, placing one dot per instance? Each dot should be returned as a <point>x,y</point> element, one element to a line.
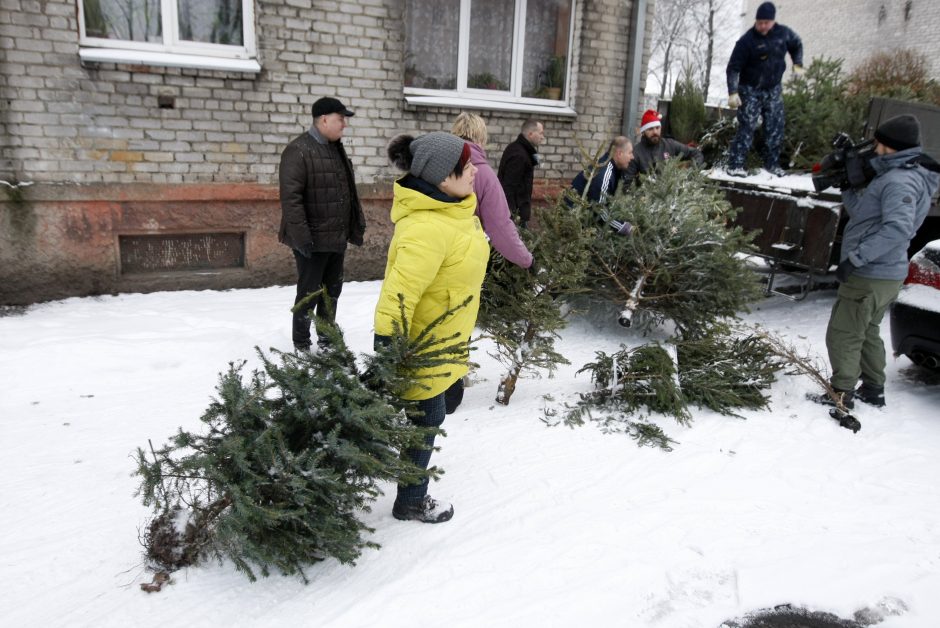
<point>166,59</point>
<point>491,105</point>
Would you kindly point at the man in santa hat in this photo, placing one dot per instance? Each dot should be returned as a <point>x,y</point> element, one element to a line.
<point>653,149</point>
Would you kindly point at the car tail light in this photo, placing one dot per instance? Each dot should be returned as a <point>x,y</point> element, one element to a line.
<point>925,268</point>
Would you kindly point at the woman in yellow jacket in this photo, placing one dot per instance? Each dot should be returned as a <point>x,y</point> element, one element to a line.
<point>436,259</point>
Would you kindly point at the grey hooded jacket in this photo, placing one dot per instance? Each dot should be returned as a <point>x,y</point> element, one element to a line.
<point>885,216</point>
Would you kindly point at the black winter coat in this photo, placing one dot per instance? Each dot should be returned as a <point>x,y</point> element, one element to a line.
<point>646,156</point>
<point>760,60</point>
<point>319,203</point>
<point>516,168</point>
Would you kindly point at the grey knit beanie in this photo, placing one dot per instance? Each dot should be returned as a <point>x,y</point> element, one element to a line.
<point>435,155</point>
<point>899,132</point>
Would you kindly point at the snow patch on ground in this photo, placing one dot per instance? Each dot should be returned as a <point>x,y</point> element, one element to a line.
<point>553,526</point>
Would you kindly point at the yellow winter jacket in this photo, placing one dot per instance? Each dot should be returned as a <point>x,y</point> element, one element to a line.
<point>437,257</point>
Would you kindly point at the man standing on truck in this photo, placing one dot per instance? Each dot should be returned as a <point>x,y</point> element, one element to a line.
<point>873,262</point>
<point>754,73</point>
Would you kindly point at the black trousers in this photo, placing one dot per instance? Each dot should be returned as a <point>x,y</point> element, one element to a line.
<point>320,270</point>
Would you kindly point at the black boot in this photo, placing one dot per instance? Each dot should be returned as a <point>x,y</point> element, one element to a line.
<point>826,399</point>
<point>426,511</point>
<point>871,394</point>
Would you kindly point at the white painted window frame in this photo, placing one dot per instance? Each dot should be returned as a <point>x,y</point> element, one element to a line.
<point>511,100</point>
<point>174,52</point>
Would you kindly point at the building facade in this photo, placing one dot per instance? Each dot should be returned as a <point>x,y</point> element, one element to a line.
<point>140,139</point>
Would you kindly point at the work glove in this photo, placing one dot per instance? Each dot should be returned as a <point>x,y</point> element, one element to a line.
<point>798,70</point>
<point>625,230</point>
<point>306,250</point>
<point>734,101</point>
<point>845,269</point>
<point>533,267</point>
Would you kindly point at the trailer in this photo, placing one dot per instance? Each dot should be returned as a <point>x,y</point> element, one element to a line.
<point>797,230</point>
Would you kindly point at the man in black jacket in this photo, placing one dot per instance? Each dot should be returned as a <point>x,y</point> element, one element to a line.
<point>516,168</point>
<point>653,148</point>
<point>320,212</point>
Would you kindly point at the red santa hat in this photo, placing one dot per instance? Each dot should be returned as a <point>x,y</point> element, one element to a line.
<point>651,120</point>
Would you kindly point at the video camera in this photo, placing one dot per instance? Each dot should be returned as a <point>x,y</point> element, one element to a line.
<point>848,166</point>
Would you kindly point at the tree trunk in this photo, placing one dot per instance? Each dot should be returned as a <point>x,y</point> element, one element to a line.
<point>710,51</point>
<point>507,385</point>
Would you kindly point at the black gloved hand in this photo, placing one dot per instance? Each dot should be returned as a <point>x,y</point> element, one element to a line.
<point>379,341</point>
<point>625,229</point>
<point>306,250</point>
<point>845,269</point>
<point>533,267</point>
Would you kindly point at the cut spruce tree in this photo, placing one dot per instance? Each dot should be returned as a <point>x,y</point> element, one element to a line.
<point>522,309</point>
<point>723,370</point>
<point>288,457</point>
<point>682,262</point>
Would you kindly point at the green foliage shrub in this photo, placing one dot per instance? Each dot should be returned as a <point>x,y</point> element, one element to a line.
<point>818,105</point>
<point>687,115</point>
<point>903,74</point>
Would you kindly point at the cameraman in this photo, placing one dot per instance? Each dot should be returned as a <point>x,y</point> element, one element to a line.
<point>873,262</point>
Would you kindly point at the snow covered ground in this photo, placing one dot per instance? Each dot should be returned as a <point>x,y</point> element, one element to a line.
<point>553,526</point>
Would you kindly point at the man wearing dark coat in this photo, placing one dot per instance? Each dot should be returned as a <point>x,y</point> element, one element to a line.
<point>883,218</point>
<point>654,149</point>
<point>516,169</point>
<point>320,213</point>
<point>754,73</point>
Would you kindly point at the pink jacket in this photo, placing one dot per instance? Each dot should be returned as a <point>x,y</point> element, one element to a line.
<point>493,211</point>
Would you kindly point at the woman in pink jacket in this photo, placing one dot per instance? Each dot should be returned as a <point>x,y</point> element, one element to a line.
<point>492,208</point>
<point>493,212</point>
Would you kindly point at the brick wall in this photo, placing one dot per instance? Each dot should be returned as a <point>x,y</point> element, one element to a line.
<point>72,130</point>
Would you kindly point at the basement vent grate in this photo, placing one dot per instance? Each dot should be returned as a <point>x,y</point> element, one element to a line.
<point>176,252</point>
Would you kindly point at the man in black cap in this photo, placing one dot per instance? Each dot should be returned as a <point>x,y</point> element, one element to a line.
<point>754,73</point>
<point>320,213</point>
<point>882,220</point>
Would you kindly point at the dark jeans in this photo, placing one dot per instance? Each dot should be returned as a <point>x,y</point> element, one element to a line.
<point>433,409</point>
<point>453,396</point>
<point>755,105</point>
<point>320,270</point>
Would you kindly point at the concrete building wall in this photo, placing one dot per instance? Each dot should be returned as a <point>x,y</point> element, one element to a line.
<point>89,153</point>
<point>855,29</point>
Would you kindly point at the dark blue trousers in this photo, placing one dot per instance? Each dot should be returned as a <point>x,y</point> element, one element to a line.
<point>756,104</point>
<point>433,409</point>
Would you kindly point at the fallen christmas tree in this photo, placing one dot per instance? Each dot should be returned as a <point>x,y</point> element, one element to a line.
<point>684,265</point>
<point>288,458</point>
<point>722,369</point>
<point>682,262</point>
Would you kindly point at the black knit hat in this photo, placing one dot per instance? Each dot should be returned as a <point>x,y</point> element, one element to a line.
<point>766,11</point>
<point>899,132</point>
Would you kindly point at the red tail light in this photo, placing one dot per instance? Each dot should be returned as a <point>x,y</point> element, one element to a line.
<point>817,167</point>
<point>923,271</point>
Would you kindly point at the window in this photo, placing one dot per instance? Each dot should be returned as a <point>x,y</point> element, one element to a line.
<point>214,34</point>
<point>510,51</point>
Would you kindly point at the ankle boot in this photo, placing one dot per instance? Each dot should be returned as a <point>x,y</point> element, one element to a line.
<point>871,394</point>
